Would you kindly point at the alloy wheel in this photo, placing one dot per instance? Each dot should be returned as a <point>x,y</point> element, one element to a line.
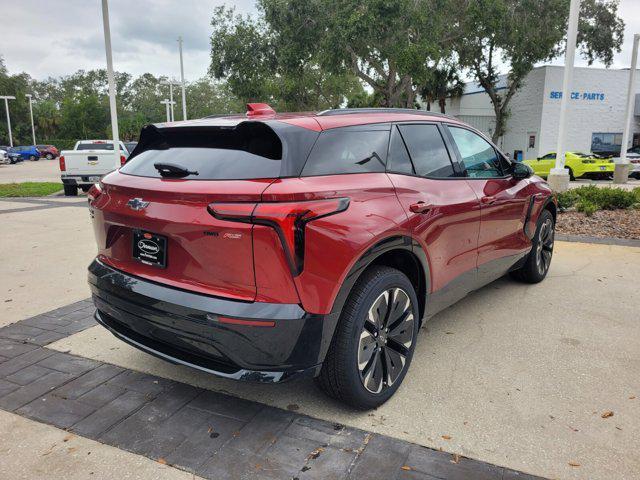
<point>385,340</point>
<point>544,250</point>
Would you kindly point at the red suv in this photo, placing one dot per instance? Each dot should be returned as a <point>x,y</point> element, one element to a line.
<point>270,246</point>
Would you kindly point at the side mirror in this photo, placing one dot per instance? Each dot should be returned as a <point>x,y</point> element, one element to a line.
<point>521,171</point>
<point>539,158</point>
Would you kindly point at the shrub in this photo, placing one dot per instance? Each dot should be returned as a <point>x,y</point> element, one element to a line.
<point>608,198</point>
<point>587,207</point>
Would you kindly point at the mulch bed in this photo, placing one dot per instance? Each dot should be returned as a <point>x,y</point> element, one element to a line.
<point>603,223</point>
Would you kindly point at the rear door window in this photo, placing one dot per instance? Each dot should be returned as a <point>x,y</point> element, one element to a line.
<point>428,151</point>
<point>347,150</point>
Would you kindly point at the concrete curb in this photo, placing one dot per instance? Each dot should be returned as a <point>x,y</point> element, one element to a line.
<point>624,242</point>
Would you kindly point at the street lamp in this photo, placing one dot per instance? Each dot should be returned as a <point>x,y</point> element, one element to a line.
<point>169,104</point>
<point>33,129</point>
<point>112,85</point>
<point>6,99</point>
<point>184,94</point>
<point>171,83</point>
<point>621,172</point>
<point>559,177</point>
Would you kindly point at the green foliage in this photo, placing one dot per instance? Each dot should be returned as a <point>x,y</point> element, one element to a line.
<point>591,198</point>
<point>587,207</point>
<point>259,66</point>
<point>29,189</point>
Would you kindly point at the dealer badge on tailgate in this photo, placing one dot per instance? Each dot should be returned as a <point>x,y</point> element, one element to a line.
<point>150,249</point>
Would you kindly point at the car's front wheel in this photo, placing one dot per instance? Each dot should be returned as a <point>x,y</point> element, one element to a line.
<point>538,261</point>
<point>374,341</point>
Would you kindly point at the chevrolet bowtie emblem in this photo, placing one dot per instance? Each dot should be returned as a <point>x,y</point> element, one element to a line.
<point>137,204</point>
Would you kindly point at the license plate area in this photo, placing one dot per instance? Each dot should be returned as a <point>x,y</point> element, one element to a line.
<point>149,248</point>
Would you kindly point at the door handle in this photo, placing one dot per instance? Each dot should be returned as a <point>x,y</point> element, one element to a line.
<point>488,200</point>
<point>420,207</point>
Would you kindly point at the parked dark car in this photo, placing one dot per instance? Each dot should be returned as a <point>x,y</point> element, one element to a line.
<point>29,152</point>
<point>13,157</point>
<point>267,247</point>
<point>48,151</point>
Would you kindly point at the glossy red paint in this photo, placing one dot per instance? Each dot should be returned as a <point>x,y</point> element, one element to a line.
<point>459,224</point>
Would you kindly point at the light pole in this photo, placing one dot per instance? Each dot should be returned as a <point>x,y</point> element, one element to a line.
<point>169,104</point>
<point>33,128</point>
<point>558,176</point>
<point>621,172</point>
<point>112,85</point>
<point>171,83</point>
<point>6,106</point>
<point>184,93</point>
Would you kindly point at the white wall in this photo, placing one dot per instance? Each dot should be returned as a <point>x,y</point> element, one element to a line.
<point>586,116</point>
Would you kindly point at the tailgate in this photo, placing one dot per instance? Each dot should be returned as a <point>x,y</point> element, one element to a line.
<point>202,253</point>
<point>89,161</point>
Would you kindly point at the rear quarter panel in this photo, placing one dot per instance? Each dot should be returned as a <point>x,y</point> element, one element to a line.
<point>334,244</point>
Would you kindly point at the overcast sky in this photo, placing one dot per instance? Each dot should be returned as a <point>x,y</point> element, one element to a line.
<point>57,37</point>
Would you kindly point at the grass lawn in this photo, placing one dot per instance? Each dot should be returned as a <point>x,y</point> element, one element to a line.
<point>29,189</point>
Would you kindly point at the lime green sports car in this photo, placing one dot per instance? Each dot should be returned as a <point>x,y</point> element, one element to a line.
<point>580,165</point>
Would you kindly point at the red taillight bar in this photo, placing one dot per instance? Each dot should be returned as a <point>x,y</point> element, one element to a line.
<point>63,166</point>
<point>287,218</point>
<point>123,160</point>
<point>246,322</point>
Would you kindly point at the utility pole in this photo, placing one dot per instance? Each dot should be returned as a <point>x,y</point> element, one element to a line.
<point>558,176</point>
<point>33,128</point>
<point>6,99</point>
<point>184,93</point>
<point>169,105</point>
<point>112,84</point>
<point>171,83</point>
<point>621,172</point>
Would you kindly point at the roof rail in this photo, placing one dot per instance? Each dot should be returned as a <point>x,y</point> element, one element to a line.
<point>347,111</point>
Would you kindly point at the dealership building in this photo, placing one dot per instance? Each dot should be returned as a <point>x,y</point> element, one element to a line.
<point>595,112</point>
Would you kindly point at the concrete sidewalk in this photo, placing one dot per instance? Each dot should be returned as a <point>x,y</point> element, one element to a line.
<point>514,375</point>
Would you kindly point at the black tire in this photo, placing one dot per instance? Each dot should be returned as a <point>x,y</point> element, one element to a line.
<point>70,190</point>
<point>33,158</point>
<point>537,264</point>
<point>85,188</point>
<point>571,177</point>
<point>342,376</point>
<point>49,156</point>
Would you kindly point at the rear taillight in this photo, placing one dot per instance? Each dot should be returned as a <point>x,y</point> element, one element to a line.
<point>63,167</point>
<point>94,192</point>
<point>122,160</point>
<point>287,218</point>
<point>635,161</point>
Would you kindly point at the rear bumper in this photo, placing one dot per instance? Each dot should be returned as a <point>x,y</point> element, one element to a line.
<point>184,328</point>
<point>79,179</point>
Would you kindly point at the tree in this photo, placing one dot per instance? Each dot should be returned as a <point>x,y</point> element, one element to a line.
<point>387,45</point>
<point>260,65</point>
<point>443,82</point>
<point>521,33</point>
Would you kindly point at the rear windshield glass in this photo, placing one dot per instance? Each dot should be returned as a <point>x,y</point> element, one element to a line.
<point>95,146</point>
<point>250,150</point>
<point>348,151</point>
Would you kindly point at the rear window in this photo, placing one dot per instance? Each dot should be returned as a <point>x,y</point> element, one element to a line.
<point>250,150</point>
<point>95,146</point>
<point>348,151</point>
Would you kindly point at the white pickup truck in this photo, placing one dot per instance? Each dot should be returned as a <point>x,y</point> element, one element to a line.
<point>87,163</point>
